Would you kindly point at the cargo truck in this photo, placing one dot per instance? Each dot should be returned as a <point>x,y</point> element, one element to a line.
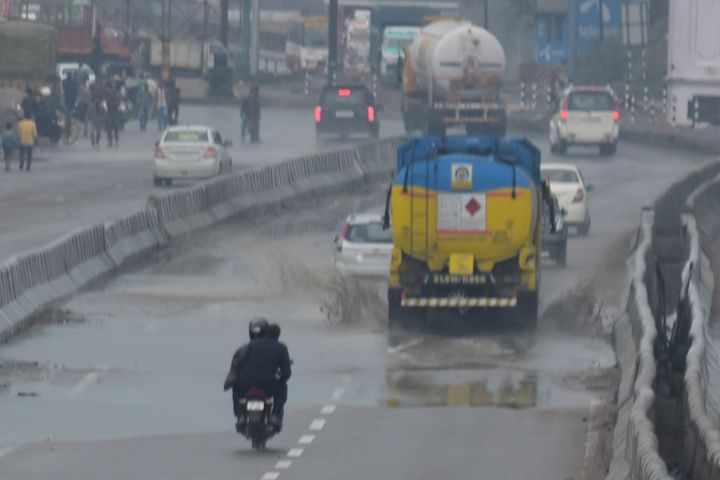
<point>452,76</point>
<point>467,227</point>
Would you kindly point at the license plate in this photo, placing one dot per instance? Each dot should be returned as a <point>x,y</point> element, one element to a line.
<point>255,406</point>
<point>462,264</point>
<point>344,114</point>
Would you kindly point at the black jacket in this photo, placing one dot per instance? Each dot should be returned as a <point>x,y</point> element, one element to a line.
<point>265,362</point>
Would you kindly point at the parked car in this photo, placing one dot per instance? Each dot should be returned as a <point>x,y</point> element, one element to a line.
<point>587,116</point>
<point>554,240</point>
<point>189,153</point>
<point>346,110</point>
<point>363,247</point>
<point>568,185</point>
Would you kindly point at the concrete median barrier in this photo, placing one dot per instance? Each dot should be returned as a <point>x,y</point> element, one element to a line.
<point>32,282</point>
<point>635,454</point>
<point>701,442</point>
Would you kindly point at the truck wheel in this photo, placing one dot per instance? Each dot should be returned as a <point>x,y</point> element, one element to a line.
<point>561,259</point>
<point>528,310</point>
<point>562,147</point>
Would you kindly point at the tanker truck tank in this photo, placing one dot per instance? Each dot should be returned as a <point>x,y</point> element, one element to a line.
<point>452,76</point>
<point>467,220</point>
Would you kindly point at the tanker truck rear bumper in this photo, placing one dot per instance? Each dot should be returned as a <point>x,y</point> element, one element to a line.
<point>478,119</point>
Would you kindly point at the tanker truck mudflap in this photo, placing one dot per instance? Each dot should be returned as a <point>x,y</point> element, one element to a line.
<point>466,227</point>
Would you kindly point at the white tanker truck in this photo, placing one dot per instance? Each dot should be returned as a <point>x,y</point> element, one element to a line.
<point>452,75</point>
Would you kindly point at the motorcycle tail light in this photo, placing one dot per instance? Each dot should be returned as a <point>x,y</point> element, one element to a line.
<point>255,392</point>
<point>579,196</point>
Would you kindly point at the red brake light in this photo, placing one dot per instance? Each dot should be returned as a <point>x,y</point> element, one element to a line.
<point>210,153</point>
<point>616,115</point>
<point>579,196</point>
<point>563,115</point>
<point>318,113</point>
<point>255,392</point>
<point>371,114</point>
<point>344,92</point>
<point>341,236</point>
<point>345,230</point>
<point>159,153</point>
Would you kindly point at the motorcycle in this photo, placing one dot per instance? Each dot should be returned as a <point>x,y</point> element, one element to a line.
<point>254,420</point>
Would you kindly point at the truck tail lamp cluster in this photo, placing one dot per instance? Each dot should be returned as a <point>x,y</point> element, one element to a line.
<point>371,113</point>
<point>318,114</point>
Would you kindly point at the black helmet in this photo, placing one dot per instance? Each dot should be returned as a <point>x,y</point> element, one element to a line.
<point>273,331</point>
<point>257,328</point>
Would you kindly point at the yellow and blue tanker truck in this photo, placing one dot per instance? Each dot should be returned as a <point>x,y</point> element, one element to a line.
<point>467,219</point>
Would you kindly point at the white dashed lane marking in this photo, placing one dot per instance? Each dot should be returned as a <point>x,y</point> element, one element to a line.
<point>270,476</point>
<point>295,453</point>
<point>338,393</point>
<point>306,439</point>
<point>7,450</point>
<point>328,409</point>
<point>283,464</point>
<point>317,424</point>
<point>87,381</point>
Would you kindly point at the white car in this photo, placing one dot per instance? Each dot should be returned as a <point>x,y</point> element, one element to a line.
<point>76,69</point>
<point>568,185</point>
<point>190,152</point>
<point>587,116</point>
<point>363,247</point>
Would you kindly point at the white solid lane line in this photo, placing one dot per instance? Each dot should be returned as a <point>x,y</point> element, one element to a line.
<point>338,393</point>
<point>295,453</point>
<point>306,439</point>
<point>270,476</point>
<point>87,381</point>
<point>317,424</point>
<point>327,410</point>
<point>283,464</point>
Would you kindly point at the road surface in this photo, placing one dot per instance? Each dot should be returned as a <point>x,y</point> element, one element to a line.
<point>125,381</point>
<point>71,187</point>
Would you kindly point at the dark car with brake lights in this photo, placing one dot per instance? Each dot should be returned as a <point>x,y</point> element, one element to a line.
<point>346,110</point>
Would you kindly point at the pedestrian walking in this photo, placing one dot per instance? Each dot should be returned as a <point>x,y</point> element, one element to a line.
<point>173,95</point>
<point>144,102</point>
<point>9,144</point>
<point>96,119</point>
<point>244,118</point>
<point>82,104</point>
<point>113,119</point>
<point>27,131</point>
<point>161,106</point>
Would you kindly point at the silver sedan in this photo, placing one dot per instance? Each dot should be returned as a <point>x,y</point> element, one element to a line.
<point>191,152</point>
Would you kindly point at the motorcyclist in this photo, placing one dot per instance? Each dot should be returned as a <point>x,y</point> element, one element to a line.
<point>256,328</point>
<point>281,398</point>
<point>265,364</point>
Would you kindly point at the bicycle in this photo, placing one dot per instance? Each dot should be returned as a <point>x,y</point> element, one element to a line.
<point>71,129</point>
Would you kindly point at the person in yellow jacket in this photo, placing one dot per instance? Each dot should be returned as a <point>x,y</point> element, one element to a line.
<point>27,131</point>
